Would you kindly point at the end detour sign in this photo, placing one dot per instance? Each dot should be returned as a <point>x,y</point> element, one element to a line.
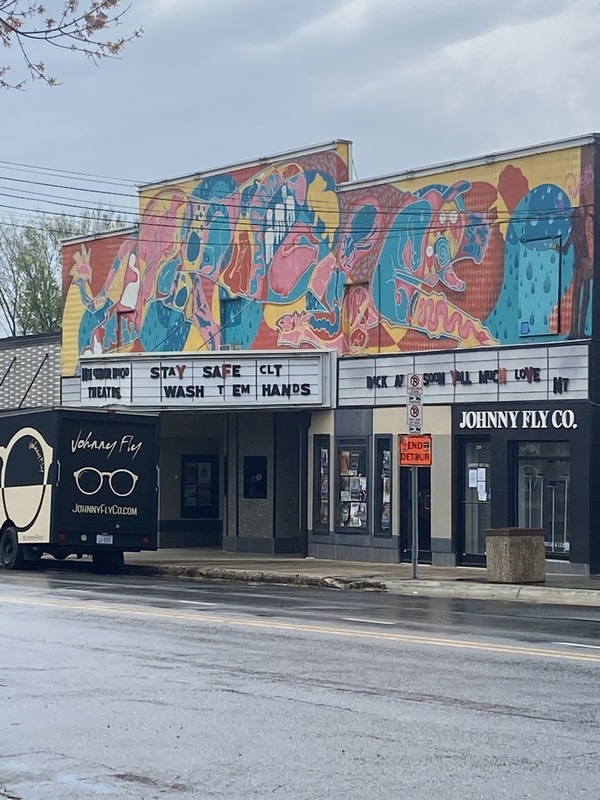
<point>415,451</point>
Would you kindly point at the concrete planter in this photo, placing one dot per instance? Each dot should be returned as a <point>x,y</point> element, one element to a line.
<point>516,555</point>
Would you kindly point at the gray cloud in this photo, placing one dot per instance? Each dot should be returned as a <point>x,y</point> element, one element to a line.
<point>412,82</point>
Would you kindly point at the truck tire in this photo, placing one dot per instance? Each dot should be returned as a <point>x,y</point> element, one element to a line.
<point>108,561</point>
<point>11,553</point>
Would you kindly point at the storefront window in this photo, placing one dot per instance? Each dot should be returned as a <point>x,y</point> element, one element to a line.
<point>352,485</point>
<point>543,478</point>
<point>383,485</point>
<point>199,486</point>
<point>321,483</point>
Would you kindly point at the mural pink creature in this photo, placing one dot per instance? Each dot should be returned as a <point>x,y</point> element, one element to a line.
<point>445,237</point>
<point>360,317</point>
<point>81,277</point>
<point>237,274</point>
<point>297,256</point>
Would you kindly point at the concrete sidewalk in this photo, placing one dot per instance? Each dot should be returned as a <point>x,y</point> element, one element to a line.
<point>459,582</point>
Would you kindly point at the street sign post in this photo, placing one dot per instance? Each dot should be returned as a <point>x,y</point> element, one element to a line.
<point>414,404</point>
<point>415,452</point>
<point>414,418</point>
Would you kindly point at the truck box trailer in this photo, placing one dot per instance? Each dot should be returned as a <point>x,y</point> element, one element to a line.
<point>77,482</point>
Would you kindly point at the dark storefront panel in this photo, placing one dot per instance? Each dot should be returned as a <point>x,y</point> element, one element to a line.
<point>383,508</point>
<point>321,483</point>
<point>525,465</point>
<point>423,513</point>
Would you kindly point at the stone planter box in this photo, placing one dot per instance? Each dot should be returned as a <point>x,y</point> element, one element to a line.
<point>516,555</point>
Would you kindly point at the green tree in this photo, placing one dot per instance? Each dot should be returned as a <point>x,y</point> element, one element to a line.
<point>30,267</point>
<point>82,27</point>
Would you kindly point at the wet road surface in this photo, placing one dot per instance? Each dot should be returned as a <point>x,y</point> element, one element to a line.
<point>140,688</point>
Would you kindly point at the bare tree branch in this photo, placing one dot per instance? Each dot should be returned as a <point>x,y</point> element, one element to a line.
<point>82,27</point>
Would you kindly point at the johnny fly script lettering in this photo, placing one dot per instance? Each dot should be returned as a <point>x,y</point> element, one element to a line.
<point>126,444</point>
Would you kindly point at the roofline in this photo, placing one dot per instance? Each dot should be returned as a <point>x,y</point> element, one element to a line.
<point>153,355</point>
<point>255,162</point>
<point>448,166</point>
<point>9,342</point>
<point>101,235</point>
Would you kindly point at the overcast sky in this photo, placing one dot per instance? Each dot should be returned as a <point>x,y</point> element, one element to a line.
<point>411,82</point>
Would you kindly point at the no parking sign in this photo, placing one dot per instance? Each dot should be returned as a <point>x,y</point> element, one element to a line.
<point>414,405</point>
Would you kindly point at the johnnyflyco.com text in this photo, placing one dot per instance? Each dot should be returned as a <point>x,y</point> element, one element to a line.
<point>103,508</point>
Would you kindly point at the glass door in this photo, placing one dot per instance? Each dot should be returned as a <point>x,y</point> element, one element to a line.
<point>476,504</point>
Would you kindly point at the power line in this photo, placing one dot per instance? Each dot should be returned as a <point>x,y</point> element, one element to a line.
<point>489,217</point>
<point>376,235</point>
<point>73,175</point>
<point>344,202</point>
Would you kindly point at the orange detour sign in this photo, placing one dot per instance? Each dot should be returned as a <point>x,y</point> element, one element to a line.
<point>415,451</point>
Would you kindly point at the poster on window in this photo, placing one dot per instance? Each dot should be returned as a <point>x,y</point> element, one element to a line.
<point>385,517</point>
<point>344,514</point>
<point>324,486</point>
<point>384,490</point>
<point>352,486</point>
<point>199,486</point>
<point>387,490</point>
<point>345,462</point>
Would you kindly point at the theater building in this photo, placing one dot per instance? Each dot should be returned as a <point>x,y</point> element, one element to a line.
<point>272,310</point>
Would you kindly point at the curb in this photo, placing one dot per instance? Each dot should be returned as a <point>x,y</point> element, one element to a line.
<point>252,576</point>
<point>551,595</point>
<point>507,592</point>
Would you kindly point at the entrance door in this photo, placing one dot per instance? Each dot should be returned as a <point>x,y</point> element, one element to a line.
<point>424,512</point>
<point>475,505</point>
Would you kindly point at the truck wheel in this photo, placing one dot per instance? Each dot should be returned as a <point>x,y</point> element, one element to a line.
<point>11,554</point>
<point>108,561</point>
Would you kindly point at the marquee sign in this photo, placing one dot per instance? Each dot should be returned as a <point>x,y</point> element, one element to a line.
<point>213,380</point>
<point>507,374</point>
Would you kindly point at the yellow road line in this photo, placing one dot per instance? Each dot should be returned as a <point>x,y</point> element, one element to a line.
<point>297,627</point>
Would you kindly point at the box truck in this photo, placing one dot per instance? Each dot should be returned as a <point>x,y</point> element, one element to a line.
<point>79,483</point>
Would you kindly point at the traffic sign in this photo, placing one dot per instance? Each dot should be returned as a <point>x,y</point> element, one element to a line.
<point>414,405</point>
<point>415,382</point>
<point>415,451</point>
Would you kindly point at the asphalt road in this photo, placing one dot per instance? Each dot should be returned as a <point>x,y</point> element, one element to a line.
<point>141,688</point>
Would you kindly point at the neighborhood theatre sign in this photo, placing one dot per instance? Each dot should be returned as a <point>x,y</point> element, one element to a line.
<point>212,380</point>
<point>460,376</point>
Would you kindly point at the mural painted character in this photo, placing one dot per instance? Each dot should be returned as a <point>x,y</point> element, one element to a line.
<point>359,317</point>
<point>535,277</point>
<point>427,239</point>
<point>582,232</point>
<point>295,216</point>
<point>445,235</point>
<point>79,294</point>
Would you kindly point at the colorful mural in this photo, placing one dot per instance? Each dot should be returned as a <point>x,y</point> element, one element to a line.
<point>281,255</point>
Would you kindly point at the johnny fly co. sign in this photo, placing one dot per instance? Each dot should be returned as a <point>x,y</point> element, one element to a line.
<point>529,419</point>
<point>210,380</point>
